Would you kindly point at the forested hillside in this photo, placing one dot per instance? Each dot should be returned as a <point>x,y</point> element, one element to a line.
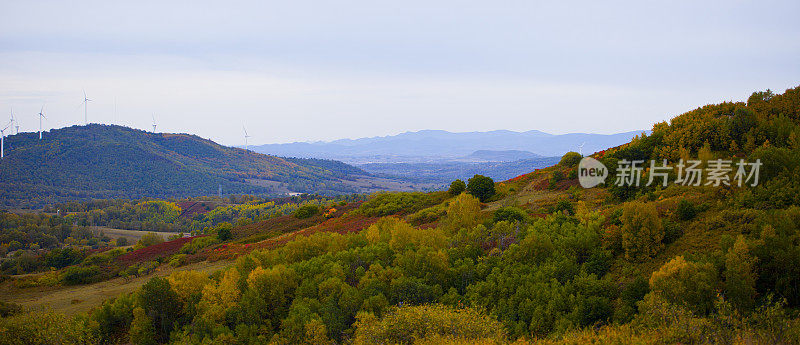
<point>101,161</point>
<point>532,260</point>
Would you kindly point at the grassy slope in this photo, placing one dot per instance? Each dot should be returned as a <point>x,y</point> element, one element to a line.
<point>76,299</point>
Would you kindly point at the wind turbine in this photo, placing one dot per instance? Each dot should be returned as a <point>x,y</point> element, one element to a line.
<point>580,148</point>
<point>15,121</point>
<point>41,116</point>
<point>154,123</point>
<point>3,139</point>
<point>246,147</point>
<point>85,108</point>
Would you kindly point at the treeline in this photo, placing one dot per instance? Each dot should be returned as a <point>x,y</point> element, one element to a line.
<point>766,127</point>
<point>29,242</point>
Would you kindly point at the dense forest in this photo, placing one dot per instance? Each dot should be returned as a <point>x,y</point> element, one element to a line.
<point>534,259</point>
<point>106,161</point>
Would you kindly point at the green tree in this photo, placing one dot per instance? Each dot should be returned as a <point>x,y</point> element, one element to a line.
<point>114,318</point>
<point>162,305</point>
<point>642,231</point>
<point>142,331</point>
<point>306,211</point>
<point>570,159</point>
<point>740,279</point>
<point>481,187</point>
<point>457,187</point>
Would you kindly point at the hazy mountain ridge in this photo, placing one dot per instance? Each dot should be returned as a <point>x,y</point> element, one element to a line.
<point>440,145</point>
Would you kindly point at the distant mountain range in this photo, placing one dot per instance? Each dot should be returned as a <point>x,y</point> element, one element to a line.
<point>102,161</point>
<point>438,146</point>
<point>435,156</point>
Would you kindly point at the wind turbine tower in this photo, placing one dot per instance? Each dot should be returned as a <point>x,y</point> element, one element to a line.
<point>3,139</point>
<point>154,123</point>
<point>41,116</point>
<point>246,147</point>
<point>580,148</point>
<point>85,108</point>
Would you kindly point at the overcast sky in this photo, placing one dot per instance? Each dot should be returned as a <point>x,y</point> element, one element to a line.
<point>322,70</point>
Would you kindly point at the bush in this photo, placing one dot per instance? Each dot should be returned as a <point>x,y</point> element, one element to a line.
<point>510,214</point>
<point>9,309</point>
<point>570,159</point>
<point>686,210</point>
<point>198,243</point>
<point>122,241</point>
<point>481,187</point>
<point>386,204</point>
<point>306,211</point>
<point>60,258</point>
<point>80,275</point>
<point>565,206</point>
<point>406,325</point>
<point>149,239</point>
<point>45,327</point>
<point>410,290</point>
<point>457,187</point>
<point>224,232</point>
<point>428,215</point>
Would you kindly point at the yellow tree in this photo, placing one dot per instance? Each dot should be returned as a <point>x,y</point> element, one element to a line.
<point>685,283</point>
<point>219,298</point>
<point>462,213</point>
<point>642,231</point>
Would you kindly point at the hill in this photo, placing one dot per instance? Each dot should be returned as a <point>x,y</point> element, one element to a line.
<point>438,145</point>
<point>106,161</point>
<point>532,260</point>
